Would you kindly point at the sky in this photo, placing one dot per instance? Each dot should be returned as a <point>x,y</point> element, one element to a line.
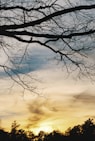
<point>60,101</point>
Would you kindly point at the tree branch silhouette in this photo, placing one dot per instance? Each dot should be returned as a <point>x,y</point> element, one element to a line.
<point>68,31</point>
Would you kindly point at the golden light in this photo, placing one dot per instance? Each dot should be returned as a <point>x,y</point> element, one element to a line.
<point>46,127</point>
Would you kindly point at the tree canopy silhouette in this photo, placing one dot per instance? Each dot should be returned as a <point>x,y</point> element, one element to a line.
<point>81,132</point>
<point>65,28</point>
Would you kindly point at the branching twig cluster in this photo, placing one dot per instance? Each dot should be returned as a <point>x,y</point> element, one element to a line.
<point>67,31</point>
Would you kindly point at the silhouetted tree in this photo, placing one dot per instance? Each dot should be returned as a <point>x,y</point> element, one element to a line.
<point>84,132</point>
<point>18,134</point>
<point>31,136</point>
<point>4,136</point>
<point>75,131</point>
<point>88,129</point>
<point>54,136</point>
<point>41,136</point>
<point>14,127</point>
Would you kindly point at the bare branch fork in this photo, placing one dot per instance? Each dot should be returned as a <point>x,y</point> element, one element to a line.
<point>9,30</point>
<point>68,32</point>
<point>49,17</point>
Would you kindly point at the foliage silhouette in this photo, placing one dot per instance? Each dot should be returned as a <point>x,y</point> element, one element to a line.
<point>82,132</point>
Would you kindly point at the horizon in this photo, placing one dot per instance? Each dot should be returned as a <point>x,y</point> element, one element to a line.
<point>18,127</point>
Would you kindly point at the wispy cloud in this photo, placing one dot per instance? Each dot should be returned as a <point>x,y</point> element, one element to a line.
<point>85,98</point>
<point>7,114</point>
<point>37,59</point>
<point>40,110</point>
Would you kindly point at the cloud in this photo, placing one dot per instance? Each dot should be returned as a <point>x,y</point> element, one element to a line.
<point>3,74</point>
<point>8,114</point>
<point>37,59</point>
<point>40,110</point>
<point>84,97</point>
<point>31,63</point>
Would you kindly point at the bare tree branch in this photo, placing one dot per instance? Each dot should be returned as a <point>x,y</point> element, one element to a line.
<point>67,30</point>
<point>49,17</point>
<point>14,33</point>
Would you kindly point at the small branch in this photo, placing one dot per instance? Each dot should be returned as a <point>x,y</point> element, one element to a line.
<point>49,17</point>
<point>24,8</point>
<point>52,36</point>
<point>10,72</point>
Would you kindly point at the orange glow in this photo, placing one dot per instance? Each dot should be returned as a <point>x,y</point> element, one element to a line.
<point>46,127</point>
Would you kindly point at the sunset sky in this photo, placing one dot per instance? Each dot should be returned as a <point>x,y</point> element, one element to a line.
<point>62,100</point>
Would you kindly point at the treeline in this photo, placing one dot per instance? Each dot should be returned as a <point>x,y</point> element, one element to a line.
<point>84,132</point>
